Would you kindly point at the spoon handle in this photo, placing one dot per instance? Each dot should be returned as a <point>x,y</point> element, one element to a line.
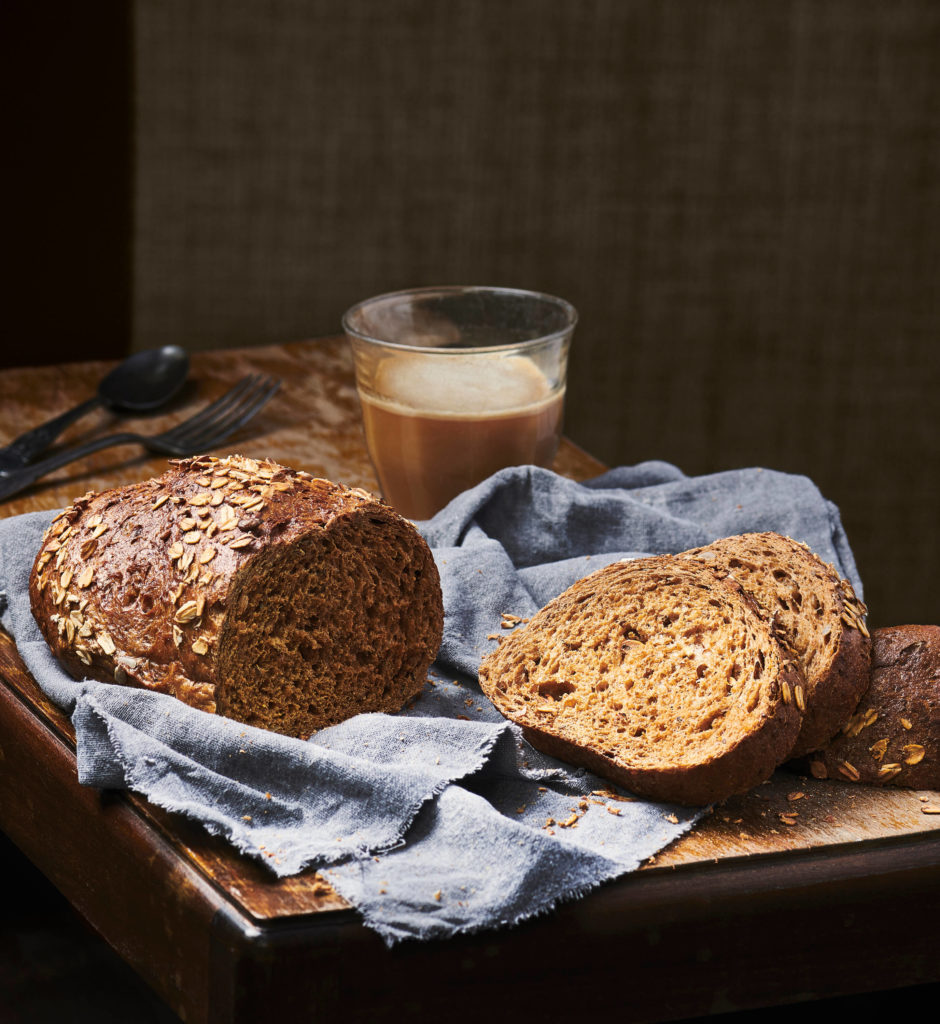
<point>26,447</point>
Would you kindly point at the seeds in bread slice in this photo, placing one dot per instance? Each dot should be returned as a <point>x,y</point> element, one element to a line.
<point>656,674</point>
<point>817,614</point>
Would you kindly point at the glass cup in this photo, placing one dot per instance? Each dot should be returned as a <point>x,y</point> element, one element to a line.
<point>456,383</point>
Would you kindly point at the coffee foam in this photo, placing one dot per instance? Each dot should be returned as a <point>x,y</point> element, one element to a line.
<point>460,384</point>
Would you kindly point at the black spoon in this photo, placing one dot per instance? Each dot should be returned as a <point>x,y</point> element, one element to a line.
<point>141,383</point>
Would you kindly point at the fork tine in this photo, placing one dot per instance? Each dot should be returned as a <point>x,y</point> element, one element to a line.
<point>209,433</point>
<point>249,410</point>
<point>213,428</point>
<point>181,432</point>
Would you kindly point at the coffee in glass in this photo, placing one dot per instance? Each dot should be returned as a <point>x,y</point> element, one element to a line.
<point>456,383</point>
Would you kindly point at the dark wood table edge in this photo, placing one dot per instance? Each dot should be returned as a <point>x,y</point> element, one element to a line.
<point>712,926</point>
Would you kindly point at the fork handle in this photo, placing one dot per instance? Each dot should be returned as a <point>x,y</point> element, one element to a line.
<point>15,480</point>
<point>26,447</point>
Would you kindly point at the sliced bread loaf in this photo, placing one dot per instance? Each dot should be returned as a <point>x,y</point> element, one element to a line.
<point>893,739</point>
<point>657,674</point>
<point>818,616</point>
<point>245,588</point>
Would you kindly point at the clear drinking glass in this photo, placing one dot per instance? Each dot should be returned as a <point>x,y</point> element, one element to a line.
<point>456,383</point>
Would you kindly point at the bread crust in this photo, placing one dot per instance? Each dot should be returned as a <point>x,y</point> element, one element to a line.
<point>703,747</point>
<point>831,640</point>
<point>893,738</point>
<point>137,585</point>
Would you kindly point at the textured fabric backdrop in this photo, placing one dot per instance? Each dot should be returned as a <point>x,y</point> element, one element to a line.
<point>742,199</point>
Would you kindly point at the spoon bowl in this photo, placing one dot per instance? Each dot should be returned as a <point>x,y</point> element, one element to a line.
<point>142,382</point>
<point>145,380</point>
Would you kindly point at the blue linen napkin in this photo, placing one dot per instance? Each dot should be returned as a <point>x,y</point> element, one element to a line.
<point>440,819</point>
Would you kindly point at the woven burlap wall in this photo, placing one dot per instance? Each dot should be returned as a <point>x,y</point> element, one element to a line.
<point>741,198</point>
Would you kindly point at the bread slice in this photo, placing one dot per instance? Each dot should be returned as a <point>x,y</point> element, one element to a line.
<point>244,588</point>
<point>818,616</point>
<point>656,674</point>
<point>893,739</point>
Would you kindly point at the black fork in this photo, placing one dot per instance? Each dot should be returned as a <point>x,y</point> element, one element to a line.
<point>199,433</point>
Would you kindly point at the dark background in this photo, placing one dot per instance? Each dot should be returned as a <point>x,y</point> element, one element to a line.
<point>741,198</point>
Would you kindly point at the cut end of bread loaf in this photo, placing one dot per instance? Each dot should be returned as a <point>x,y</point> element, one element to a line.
<point>893,737</point>
<point>342,620</point>
<point>817,615</point>
<point>656,674</point>
<point>246,588</point>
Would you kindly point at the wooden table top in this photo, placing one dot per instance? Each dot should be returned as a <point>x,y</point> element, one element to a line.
<point>786,833</point>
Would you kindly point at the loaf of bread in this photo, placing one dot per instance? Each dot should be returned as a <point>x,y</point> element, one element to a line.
<point>244,588</point>
<point>816,613</point>
<point>658,674</point>
<point>893,738</point>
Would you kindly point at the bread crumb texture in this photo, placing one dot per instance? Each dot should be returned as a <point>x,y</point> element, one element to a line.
<point>814,612</point>
<point>660,674</point>
<point>242,587</point>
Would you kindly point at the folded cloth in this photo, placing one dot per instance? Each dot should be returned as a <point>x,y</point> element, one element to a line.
<point>440,819</point>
